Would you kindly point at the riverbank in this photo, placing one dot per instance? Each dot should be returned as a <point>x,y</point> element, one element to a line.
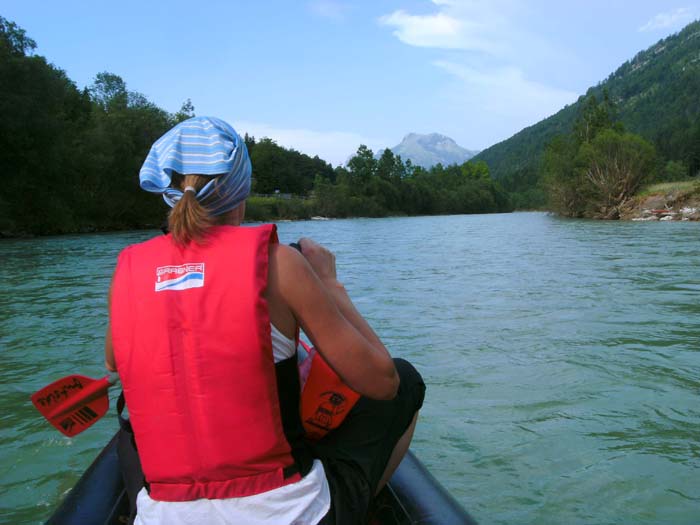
<point>670,201</point>
<point>258,209</point>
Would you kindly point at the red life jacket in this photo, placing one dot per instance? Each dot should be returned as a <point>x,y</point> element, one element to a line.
<point>191,336</point>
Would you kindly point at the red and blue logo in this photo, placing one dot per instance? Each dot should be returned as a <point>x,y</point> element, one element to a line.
<point>182,277</point>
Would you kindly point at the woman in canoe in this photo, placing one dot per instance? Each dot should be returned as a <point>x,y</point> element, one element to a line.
<point>204,325</point>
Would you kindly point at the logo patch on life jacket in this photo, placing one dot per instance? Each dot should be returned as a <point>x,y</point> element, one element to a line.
<point>190,275</point>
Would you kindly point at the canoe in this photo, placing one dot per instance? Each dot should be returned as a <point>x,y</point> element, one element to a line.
<point>413,496</point>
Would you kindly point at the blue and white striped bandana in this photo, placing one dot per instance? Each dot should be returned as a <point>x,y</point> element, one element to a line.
<point>200,146</point>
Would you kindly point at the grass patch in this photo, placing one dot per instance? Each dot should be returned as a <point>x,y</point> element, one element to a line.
<point>664,188</point>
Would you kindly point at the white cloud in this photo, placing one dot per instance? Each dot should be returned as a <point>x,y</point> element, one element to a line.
<point>330,9</point>
<point>502,97</point>
<point>335,147</point>
<point>486,53</point>
<point>466,25</point>
<point>670,19</point>
<point>438,30</point>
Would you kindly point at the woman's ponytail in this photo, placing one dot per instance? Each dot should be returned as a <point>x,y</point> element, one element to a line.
<point>189,219</point>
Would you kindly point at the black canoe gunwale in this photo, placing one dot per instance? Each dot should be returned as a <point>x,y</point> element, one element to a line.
<point>412,497</point>
<point>99,496</point>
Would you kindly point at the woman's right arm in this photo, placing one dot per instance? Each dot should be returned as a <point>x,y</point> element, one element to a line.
<point>308,285</point>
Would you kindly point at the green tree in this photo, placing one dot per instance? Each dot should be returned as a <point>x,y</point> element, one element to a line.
<point>109,91</point>
<point>267,164</point>
<point>14,39</point>
<point>595,116</point>
<point>694,152</point>
<point>616,165</point>
<point>186,112</point>
<point>362,166</point>
<point>673,170</point>
<point>563,177</point>
<point>386,165</point>
<point>249,143</point>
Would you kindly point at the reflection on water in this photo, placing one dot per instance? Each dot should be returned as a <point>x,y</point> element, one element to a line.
<point>561,358</point>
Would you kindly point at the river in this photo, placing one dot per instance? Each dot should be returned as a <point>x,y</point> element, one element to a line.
<point>562,358</point>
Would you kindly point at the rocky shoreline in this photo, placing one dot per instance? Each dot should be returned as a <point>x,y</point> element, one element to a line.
<point>673,206</point>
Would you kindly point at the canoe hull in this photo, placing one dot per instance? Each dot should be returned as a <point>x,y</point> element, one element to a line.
<point>99,496</point>
<point>413,497</point>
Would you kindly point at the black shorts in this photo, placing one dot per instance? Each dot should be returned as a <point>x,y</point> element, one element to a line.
<point>356,454</point>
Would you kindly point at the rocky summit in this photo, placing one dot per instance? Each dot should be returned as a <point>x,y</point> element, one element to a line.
<point>431,149</point>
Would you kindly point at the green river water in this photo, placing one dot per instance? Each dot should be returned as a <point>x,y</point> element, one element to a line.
<point>562,358</point>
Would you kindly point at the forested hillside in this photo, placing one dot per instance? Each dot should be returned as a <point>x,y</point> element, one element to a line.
<point>656,95</point>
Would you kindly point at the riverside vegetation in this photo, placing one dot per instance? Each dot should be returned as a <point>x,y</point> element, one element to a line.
<point>71,159</point>
<point>602,171</point>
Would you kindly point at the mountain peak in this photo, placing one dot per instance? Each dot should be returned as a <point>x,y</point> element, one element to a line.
<point>429,149</point>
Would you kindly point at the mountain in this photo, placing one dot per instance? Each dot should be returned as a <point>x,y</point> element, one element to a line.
<point>429,150</point>
<point>656,94</point>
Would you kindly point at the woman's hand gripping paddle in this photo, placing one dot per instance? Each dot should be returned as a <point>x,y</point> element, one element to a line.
<point>74,403</point>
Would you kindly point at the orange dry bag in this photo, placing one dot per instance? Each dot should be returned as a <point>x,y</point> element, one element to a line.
<point>325,399</point>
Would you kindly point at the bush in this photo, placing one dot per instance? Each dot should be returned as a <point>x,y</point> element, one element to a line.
<point>616,165</point>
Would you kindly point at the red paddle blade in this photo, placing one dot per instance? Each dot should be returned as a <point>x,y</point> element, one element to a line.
<point>73,403</point>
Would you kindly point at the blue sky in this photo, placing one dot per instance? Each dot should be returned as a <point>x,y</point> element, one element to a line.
<point>323,76</point>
